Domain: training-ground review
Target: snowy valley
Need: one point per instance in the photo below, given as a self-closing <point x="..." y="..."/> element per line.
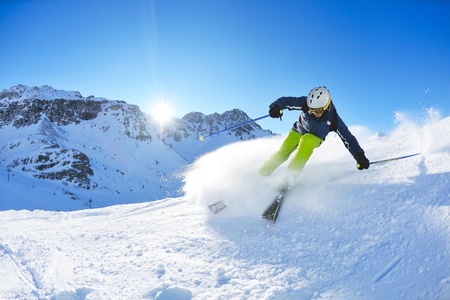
<point x="382" y="233"/>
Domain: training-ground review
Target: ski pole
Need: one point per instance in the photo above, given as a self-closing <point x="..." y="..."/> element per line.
<point x="229" y="128"/>
<point x="391" y="159"/>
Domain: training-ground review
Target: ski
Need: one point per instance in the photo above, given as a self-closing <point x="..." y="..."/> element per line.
<point x="271" y="212"/>
<point x="217" y="206"/>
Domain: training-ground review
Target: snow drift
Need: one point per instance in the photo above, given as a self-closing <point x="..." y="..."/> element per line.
<point x="383" y="233"/>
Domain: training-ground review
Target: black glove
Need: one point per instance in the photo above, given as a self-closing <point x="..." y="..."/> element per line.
<point x="361" y="161"/>
<point x="275" y="111"/>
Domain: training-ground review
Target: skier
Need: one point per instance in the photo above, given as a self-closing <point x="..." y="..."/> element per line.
<point x="318" y="117"/>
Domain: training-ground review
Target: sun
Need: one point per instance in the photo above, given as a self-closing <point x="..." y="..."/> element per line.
<point x="162" y="113"/>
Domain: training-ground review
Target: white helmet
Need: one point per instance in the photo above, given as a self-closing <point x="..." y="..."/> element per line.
<point x="319" y="97"/>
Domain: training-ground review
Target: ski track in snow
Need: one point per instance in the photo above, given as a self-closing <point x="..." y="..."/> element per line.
<point x="383" y="233"/>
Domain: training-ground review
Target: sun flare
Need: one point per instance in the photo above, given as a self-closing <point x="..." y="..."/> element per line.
<point x="162" y="113"/>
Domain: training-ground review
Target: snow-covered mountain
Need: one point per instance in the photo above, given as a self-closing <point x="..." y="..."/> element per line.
<point x="94" y="151"/>
<point x="183" y="134"/>
<point x="381" y="233"/>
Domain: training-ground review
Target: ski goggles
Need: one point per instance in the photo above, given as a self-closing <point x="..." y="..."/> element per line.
<point x="321" y="110"/>
<point x="316" y="111"/>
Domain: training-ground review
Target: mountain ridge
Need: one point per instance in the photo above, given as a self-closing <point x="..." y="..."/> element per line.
<point x="83" y="145"/>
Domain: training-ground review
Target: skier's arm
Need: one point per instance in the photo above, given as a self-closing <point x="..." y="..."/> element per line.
<point x="291" y="103"/>
<point x="351" y="143"/>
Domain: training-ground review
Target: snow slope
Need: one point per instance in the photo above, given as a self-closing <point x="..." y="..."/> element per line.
<point x="383" y="233"/>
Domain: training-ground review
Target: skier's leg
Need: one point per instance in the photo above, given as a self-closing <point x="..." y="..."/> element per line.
<point x="289" y="144"/>
<point x="306" y="146"/>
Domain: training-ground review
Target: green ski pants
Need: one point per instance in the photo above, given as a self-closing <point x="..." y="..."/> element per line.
<point x="302" y="145"/>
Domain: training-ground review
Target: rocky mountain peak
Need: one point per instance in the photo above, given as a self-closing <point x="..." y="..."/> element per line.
<point x="194" y="117"/>
<point x="44" y="92"/>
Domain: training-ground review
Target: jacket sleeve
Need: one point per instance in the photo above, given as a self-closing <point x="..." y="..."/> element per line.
<point x="349" y="140"/>
<point x="291" y="103"/>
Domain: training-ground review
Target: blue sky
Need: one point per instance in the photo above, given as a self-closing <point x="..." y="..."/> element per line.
<point x="376" y="57"/>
